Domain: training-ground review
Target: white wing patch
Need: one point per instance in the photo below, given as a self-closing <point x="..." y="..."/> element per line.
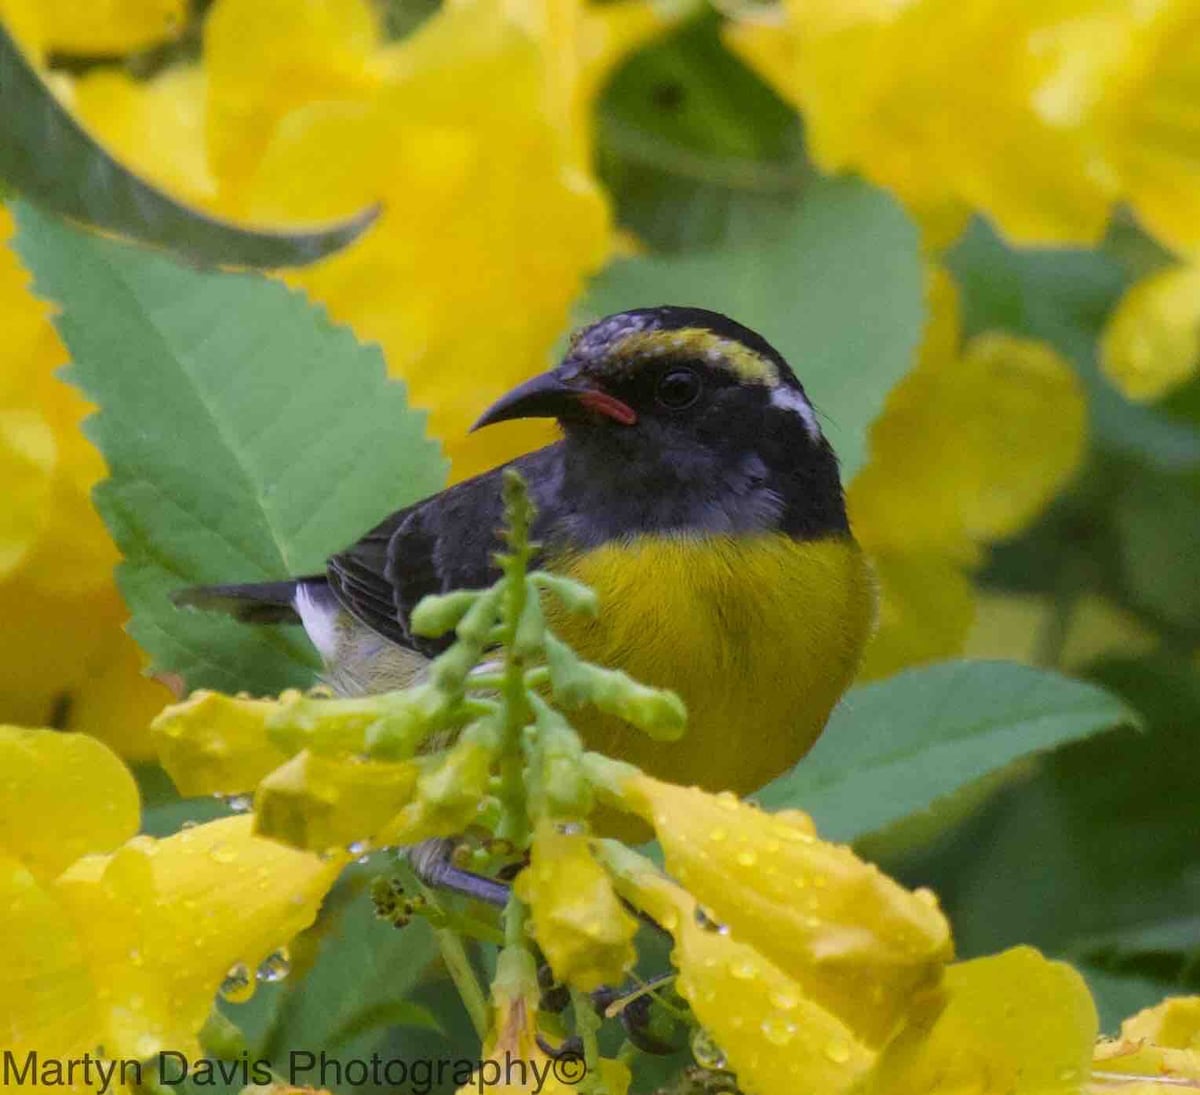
<point x="319" y="617"/>
<point x="788" y="399"/>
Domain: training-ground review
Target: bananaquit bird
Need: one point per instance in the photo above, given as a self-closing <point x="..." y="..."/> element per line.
<point x="694" y="491"/>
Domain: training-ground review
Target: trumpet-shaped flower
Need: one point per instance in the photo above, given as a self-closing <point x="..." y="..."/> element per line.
<point x="118" y="940"/>
<point x="947" y="473"/>
<point x="578" y="922"/>
<point x="773" y="1034"/>
<point x="1009" y="1024"/>
<point x="65" y="658"/>
<point x="860" y="945"/>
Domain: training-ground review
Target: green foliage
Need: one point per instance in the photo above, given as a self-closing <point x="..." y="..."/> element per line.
<point x="49" y="158"/>
<point x="836" y="289"/>
<point x="901" y="746"/>
<point x="247" y="438"/>
<point x="696" y="149"/>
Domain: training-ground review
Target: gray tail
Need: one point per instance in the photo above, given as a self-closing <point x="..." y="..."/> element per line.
<point x="253" y="603"/>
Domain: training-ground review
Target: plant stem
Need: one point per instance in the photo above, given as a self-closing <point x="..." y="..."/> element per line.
<point x="458" y="964"/>
<point x="587" y="1022"/>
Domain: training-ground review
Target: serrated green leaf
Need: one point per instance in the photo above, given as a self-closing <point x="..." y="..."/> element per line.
<point x="899" y="745"/>
<point x="247" y="438"/>
<point x="47" y="156"/>
<point x="837" y="289"/>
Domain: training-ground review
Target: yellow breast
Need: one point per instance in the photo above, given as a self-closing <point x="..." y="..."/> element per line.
<point x="759" y="635"/>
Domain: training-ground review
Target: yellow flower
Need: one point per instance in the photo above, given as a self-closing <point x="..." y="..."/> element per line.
<point x="66" y="658"/>
<point x="1152" y="341"/>
<point x="120" y="940"/>
<point x="513" y="1061"/>
<point x="773" y="1035"/>
<point x="92" y="26"/>
<point x="1156" y="1047"/>
<point x="947" y="472"/>
<point x="896" y="90"/>
<point x="1011" y="1023"/>
<point x="860" y="945"/>
<point x="491" y="219"/>
<point x="580" y="926"/>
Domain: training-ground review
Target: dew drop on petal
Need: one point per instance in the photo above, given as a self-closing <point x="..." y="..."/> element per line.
<point x="744" y="969"/>
<point x="778" y="1029"/>
<point x="275" y="967"/>
<point x="706" y="1052"/>
<point x="747" y="857"/>
<point x="222" y="853"/>
<point x="838" y="1052"/>
<point x="238" y="985"/>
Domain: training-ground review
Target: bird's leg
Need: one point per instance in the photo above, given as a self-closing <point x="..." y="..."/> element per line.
<point x="432" y="862"/>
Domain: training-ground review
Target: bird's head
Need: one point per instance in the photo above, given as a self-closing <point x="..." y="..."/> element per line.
<point x="664" y="375"/>
<point x="701" y="412"/>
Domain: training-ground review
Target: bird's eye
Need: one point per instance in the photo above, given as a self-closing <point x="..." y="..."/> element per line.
<point x="678" y="388"/>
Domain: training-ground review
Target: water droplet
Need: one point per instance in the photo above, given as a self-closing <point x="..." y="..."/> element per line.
<point x="275" y="967"/>
<point x="222" y="853"/>
<point x="747" y="857"/>
<point x="784" y="999"/>
<point x="189" y="824"/>
<point x="358" y="848"/>
<point x="240" y="804"/>
<point x="238" y="985"/>
<point x="744" y="969"/>
<point x="717" y="834"/>
<point x="569" y="828"/>
<point x="778" y="1029"/>
<point x="708" y="923"/>
<point x="838" y="1052"/>
<point x="727" y="800"/>
<point x="706" y="1052"/>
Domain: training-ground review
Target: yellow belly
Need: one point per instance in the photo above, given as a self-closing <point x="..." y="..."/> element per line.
<point x="759" y="635"/>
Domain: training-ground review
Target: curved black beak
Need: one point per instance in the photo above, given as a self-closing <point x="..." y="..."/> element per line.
<point x="549" y="396"/>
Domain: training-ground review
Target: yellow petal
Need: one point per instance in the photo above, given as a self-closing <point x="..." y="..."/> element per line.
<point x="1173" y="1024"/>
<point x="1152" y="341"/>
<point x="155" y="126"/>
<point x="47" y="1002"/>
<point x="27" y="459"/>
<point x="266" y="58"/>
<point x="580" y="926"/>
<point x="1012" y="1023"/>
<point x="117" y="702"/>
<point x="775" y="1037"/>
<point x="216" y="744"/>
<point x="322" y="803"/>
<point x="926" y="607"/>
<point x="858" y="943"/>
<point x="109" y="26"/>
<point x="40" y="772"/>
<point x="164" y="922"/>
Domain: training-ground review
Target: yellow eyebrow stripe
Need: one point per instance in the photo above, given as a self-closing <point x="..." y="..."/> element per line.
<point x="698" y="342"/>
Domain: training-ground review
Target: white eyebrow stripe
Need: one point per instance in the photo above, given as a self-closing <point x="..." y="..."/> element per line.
<point x="788" y="399"/>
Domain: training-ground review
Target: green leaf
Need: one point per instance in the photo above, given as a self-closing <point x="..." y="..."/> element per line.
<point x="356" y="976"/>
<point x="900" y="745"/>
<point x="247" y="438"/>
<point x="46" y="155"/>
<point x="836" y="288"/>
<point x="695" y="149"/>
<point x="1093" y="855"/>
